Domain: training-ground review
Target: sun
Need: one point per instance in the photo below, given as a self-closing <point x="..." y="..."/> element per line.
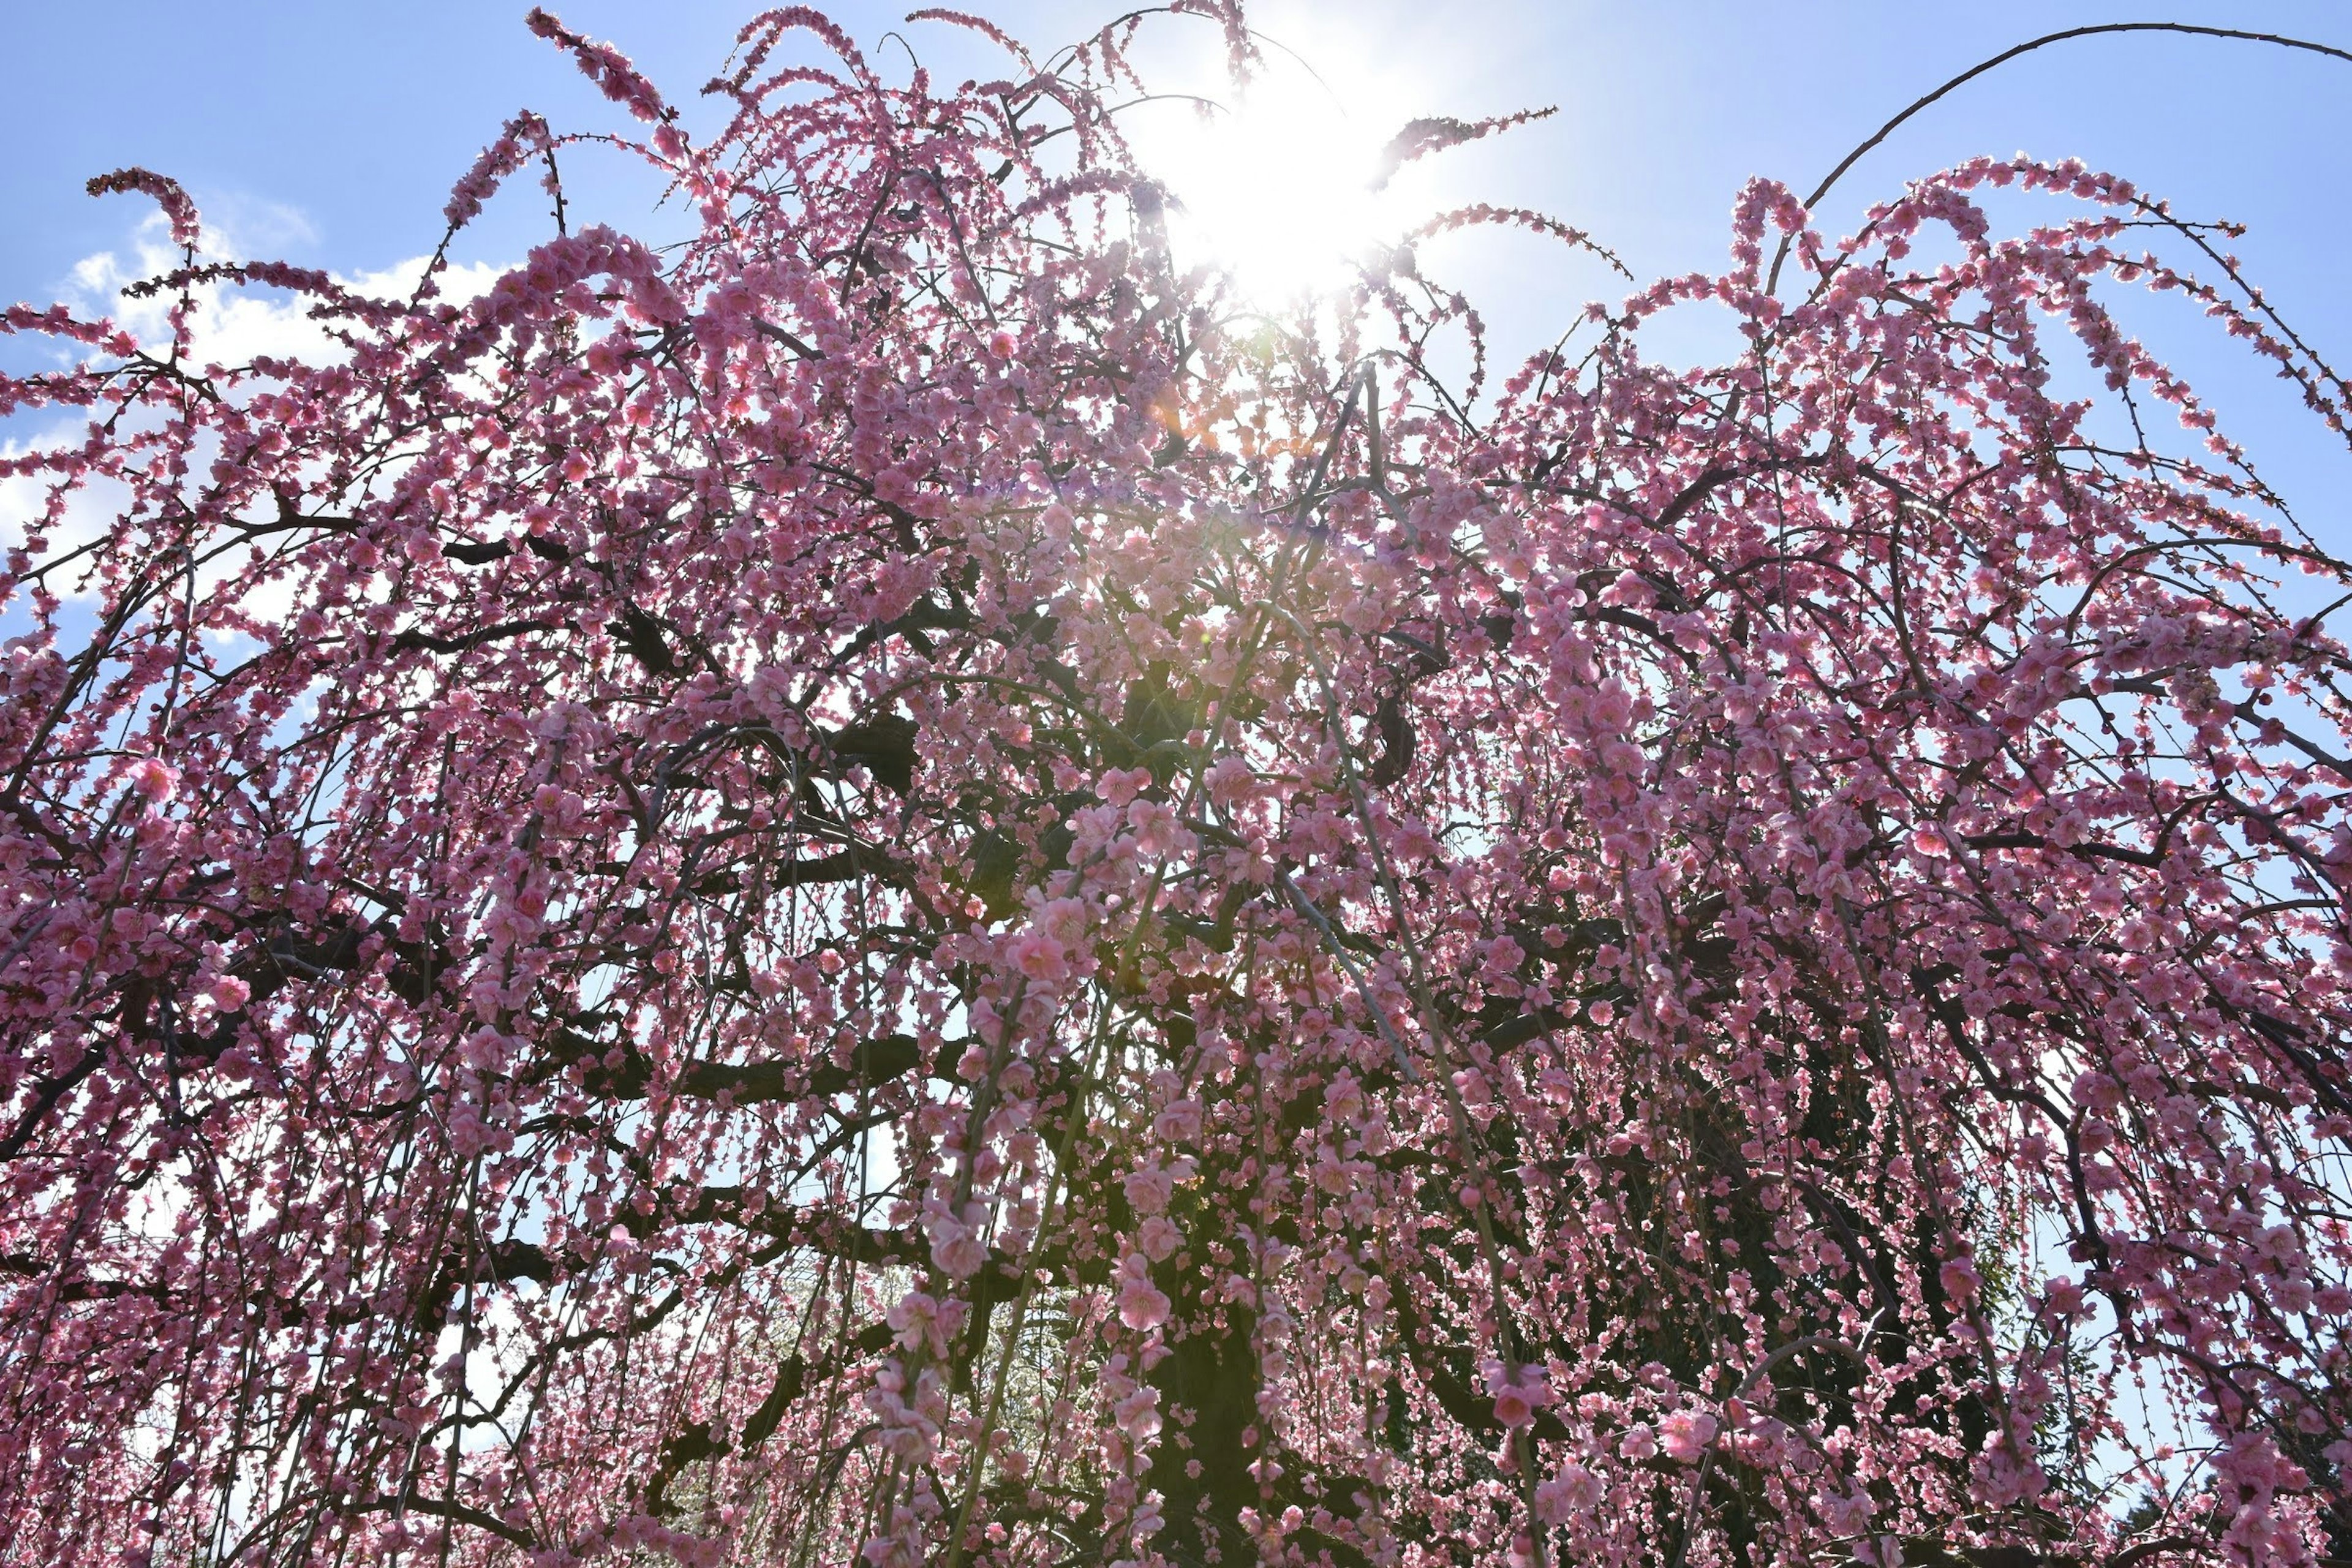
<point x="1274" y="184"/>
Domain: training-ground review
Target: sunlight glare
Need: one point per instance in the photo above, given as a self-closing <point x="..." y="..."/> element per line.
<point x="1277" y="187"/>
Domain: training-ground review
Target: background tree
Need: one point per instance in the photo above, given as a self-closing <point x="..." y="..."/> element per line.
<point x="904" y="883"/>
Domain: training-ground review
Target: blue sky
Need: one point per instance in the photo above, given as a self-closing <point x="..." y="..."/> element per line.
<point x="329" y="133"/>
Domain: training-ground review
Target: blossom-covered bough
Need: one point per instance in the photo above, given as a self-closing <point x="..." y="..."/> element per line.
<point x="900" y="887"/>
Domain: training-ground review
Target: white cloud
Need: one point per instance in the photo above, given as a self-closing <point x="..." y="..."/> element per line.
<point x="235" y="324"/>
<point x="232" y="326"/>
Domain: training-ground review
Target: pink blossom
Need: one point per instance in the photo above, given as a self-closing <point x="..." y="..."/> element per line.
<point x="1178" y="1122"/>
<point x="1119" y="785"/>
<point x="1143" y="1305"/>
<point x="911" y="1318"/>
<point x="1157" y="830"/>
<point x="1230" y="781"/>
<point x="154" y="781"/>
<point x="1518" y="1393"/>
<point x="1848" y="1513"/>
<point x="228" y="992"/>
<point x="1572" y="1490"/>
<point x="1149" y="1187"/>
<point x="1039" y="957"/>
<point x="1137" y="1415"/>
<point x="957" y="1250"/>
<point x="1684" y="1435"/>
<point x="1065" y="921"/>
<point x="1158" y="1238"/>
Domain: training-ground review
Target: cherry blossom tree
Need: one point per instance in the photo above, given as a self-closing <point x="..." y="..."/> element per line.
<point x="902" y="885"/>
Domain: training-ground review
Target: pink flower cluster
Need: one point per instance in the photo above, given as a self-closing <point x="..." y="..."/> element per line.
<point x="177" y="207"/>
<point x="603" y="64"/>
